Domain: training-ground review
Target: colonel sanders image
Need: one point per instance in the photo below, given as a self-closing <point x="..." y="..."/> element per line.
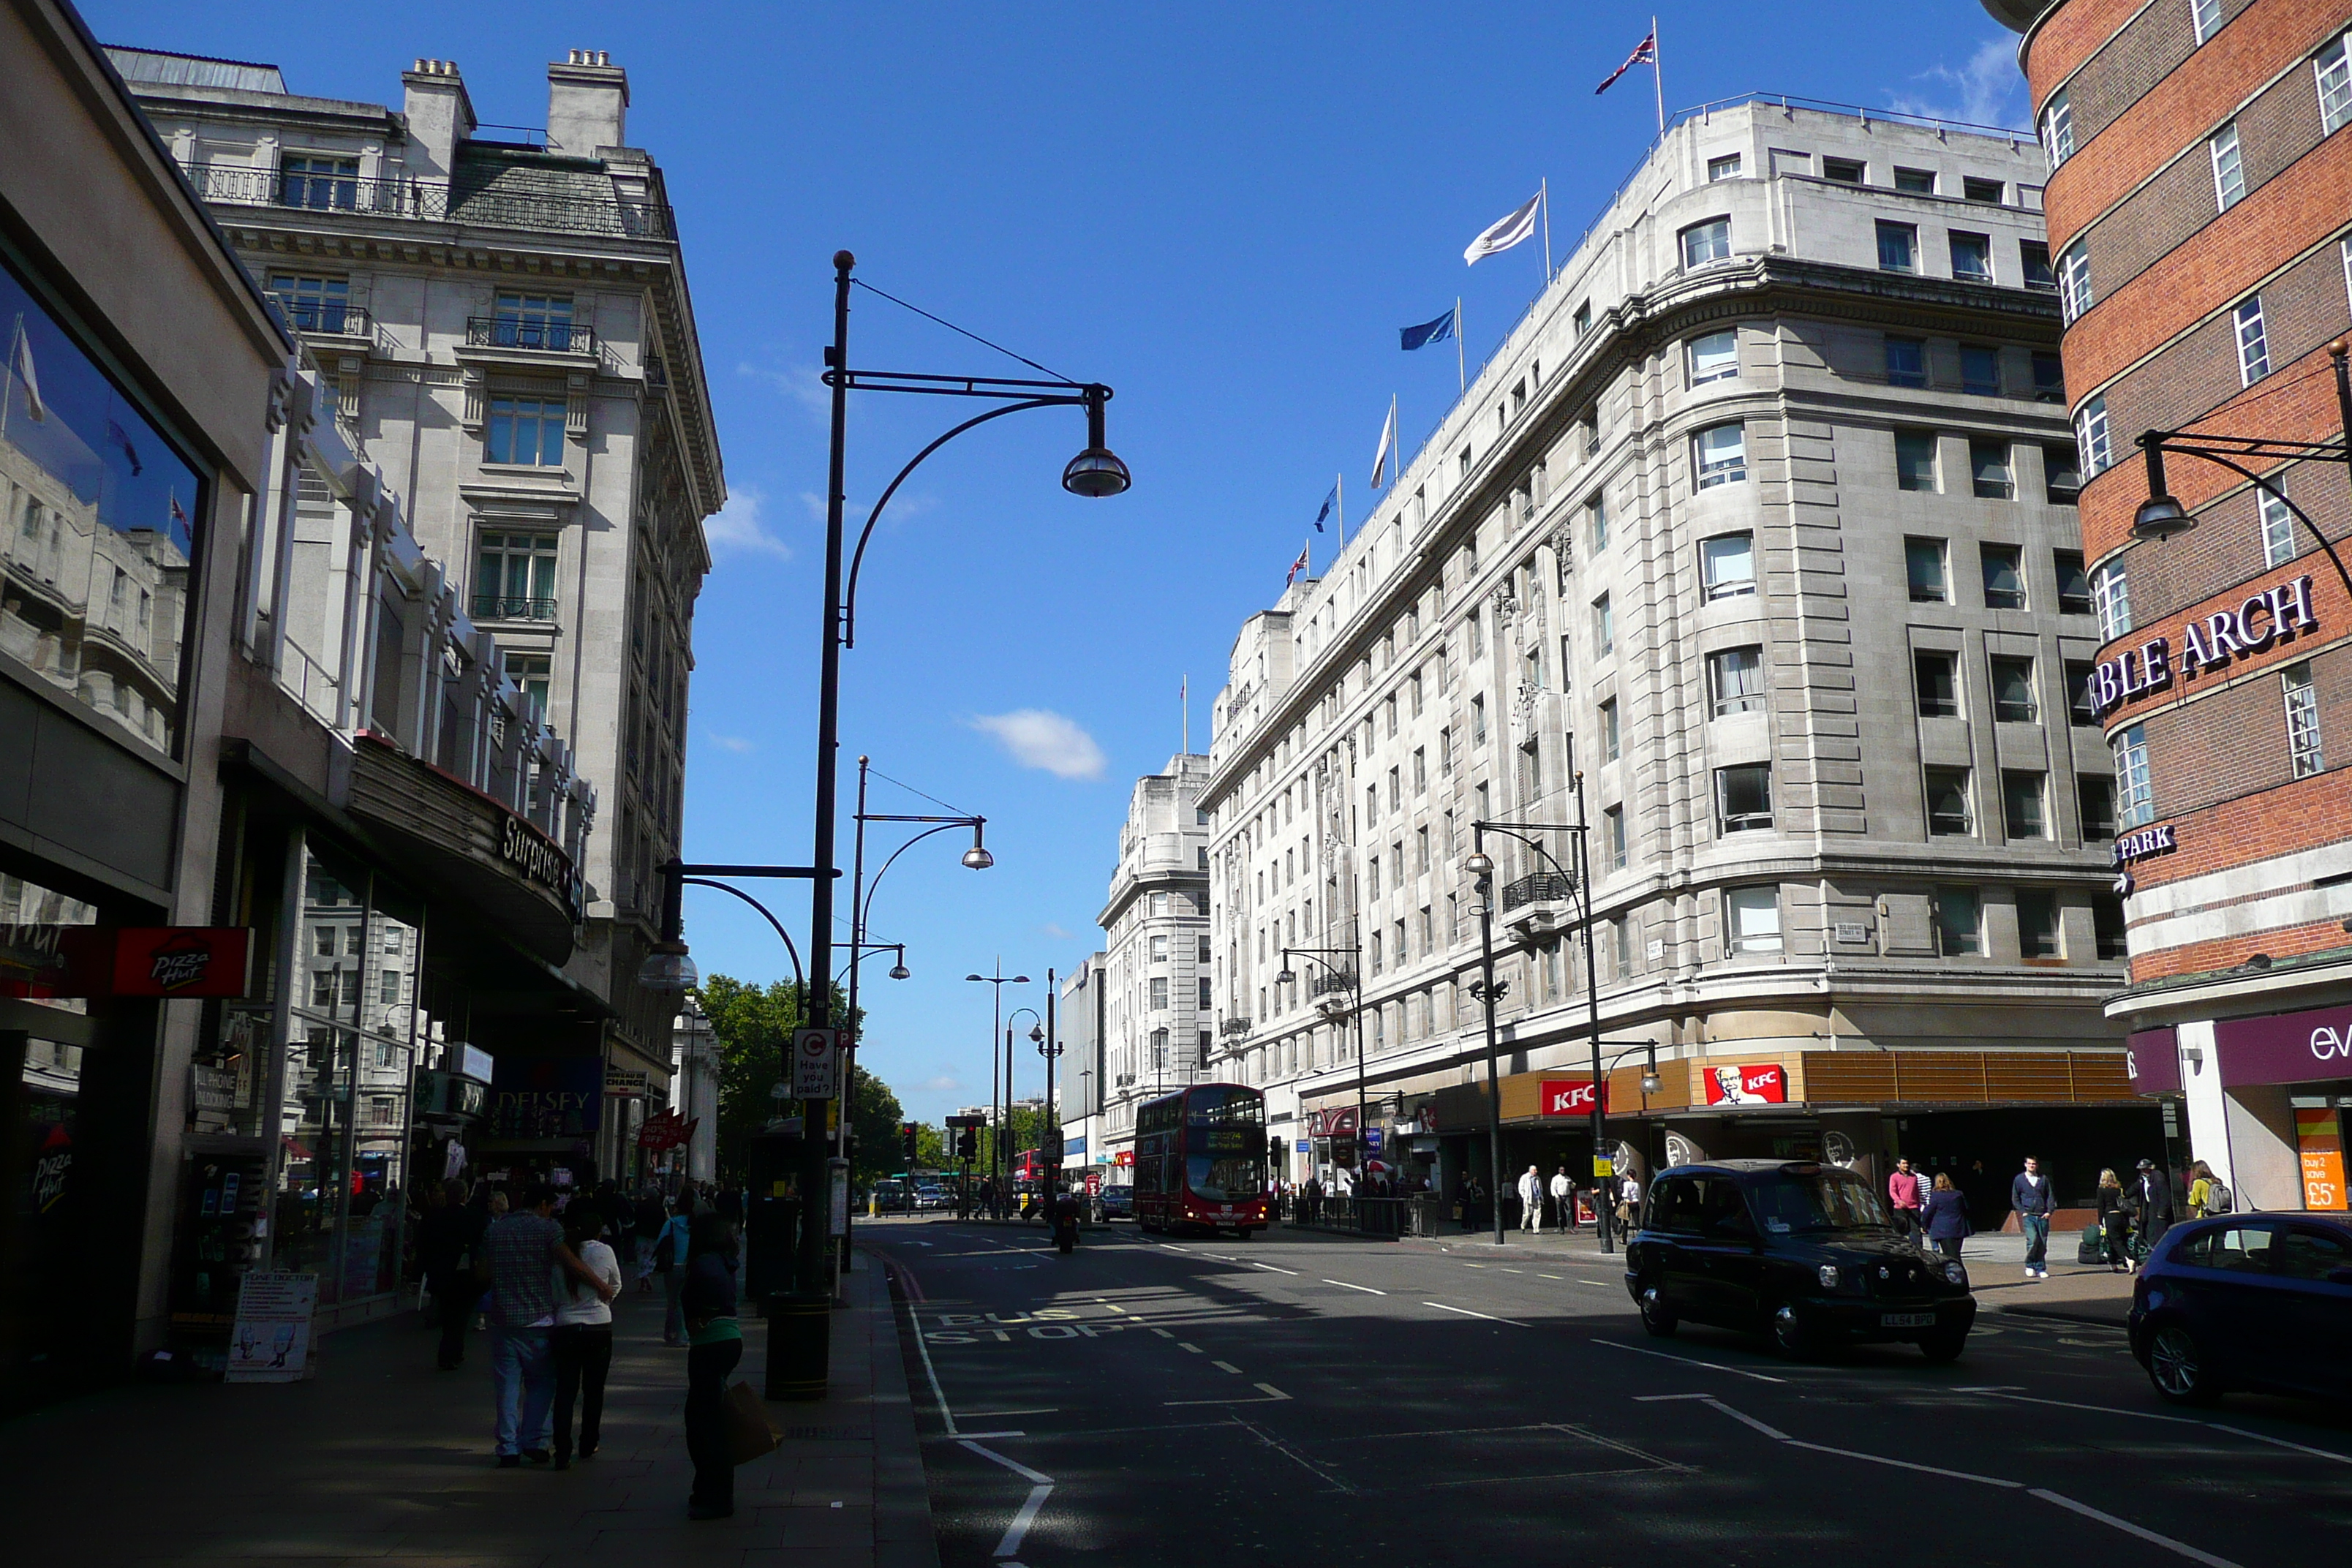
<point x="1730" y="1090"/>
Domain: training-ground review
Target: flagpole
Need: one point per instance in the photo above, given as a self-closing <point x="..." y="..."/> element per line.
<point x="9" y="371"/>
<point x="1461" y="371"/>
<point x="1544" y="192"/>
<point x="1658" y="74"/>
<point x="1339" y="489"/>
<point x="1184" y="695"/>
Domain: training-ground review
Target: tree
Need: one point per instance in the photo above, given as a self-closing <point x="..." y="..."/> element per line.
<point x="876" y="1124"/>
<point x="753" y="1027"/>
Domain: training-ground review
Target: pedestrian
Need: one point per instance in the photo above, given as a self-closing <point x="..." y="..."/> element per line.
<point x="2151" y="1204"/>
<point x="1531" y="1195"/>
<point x="648" y="1219"/>
<point x="2208" y="1194"/>
<point x="715" y="1338"/>
<point x="1946" y="1217"/>
<point x="1904" y="1196"/>
<point x="2033" y="1198"/>
<point x="446" y="1246"/>
<point x="1629" y="1203"/>
<point x="581" y="1344"/>
<point x="2114" y="1223"/>
<point x="1473" y="1196"/>
<point x="670" y="1250"/>
<point x="522" y="1254"/>
<point x="1563" y="1199"/>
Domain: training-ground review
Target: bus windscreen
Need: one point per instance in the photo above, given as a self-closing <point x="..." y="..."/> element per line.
<point x="1224" y="1145"/>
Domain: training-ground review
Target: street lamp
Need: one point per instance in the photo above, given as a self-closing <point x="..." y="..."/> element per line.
<point x="1352" y="978"/>
<point x="1049" y="1045"/>
<point x="999" y="980"/>
<point x="1037" y="1031"/>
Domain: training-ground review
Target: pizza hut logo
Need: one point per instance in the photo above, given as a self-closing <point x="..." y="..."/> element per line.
<point x="180" y="963"/>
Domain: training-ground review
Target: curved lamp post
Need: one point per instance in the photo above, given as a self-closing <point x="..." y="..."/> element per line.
<point x="1037" y="1031"/>
<point x="999" y="980"/>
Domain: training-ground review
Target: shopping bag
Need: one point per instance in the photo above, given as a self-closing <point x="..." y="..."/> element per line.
<point x="749" y="1432"/>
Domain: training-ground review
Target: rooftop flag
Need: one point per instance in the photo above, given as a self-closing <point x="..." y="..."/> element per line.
<point x="1428" y="332"/>
<point x="1646" y="53"/>
<point x="1328" y="502"/>
<point x="1298" y="565"/>
<point x="1387" y="451"/>
<point x="1505" y="232"/>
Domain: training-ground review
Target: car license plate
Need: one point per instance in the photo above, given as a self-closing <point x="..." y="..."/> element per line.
<point x="1906" y="1320"/>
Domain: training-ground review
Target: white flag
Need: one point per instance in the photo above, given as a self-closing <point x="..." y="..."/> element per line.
<point x="1504" y="234"/>
<point x="1388" y="447"/>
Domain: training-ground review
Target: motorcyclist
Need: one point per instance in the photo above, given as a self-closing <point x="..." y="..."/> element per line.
<point x="1064" y="1214"/>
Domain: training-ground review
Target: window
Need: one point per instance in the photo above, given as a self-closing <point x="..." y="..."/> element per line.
<point x="2062" y="476"/>
<point x="1377" y="952"/>
<point x="1596" y="513"/>
<point x="1204" y="992"/>
<point x="1159" y="991"/>
<point x="1581" y="322"/>
<point x="2302" y="720"/>
<point x="1477" y="625"/>
<point x="2278" y="527"/>
<point x="1609" y="749"/>
<point x="1958" y="922"/>
<point x="1972" y="257"/>
<point x="2074" y="295"/>
<point x="2058" y="129"/>
<point x="2079" y="710"/>
<point x="1478" y="720"/>
<point x="1844" y="170"/>
<point x="1898" y="246"/>
<point x="1419" y="770"/>
<point x="1917" y="182"/>
<point x="2037" y="926"/>
<point x="2090" y="438"/>
<point x="1705" y="242"/>
<point x="1727" y="564"/>
<point x="2021" y="810"/>
<point x="2005" y="576"/>
<point x="1604" y="627"/>
<point x="1979" y="371"/>
<point x="1936" y="677"/>
<point x="2204" y="17"/>
<point x="1751" y="919"/>
<point x="1976" y="190"/>
<point x="2033" y="264"/>
<point x="1948" y="803"/>
<point x="1989" y="472"/>
<point x="2049" y="378"/>
<point x="321" y="183"/>
<point x="1723" y="168"/>
<point x="1722" y="455"/>
<point x="1612" y="836"/>
<point x="526" y="430"/>
<point x="1744" y="797"/>
<point x="2335" y="87"/>
<point x="2111" y="597"/>
<point x="515" y="577"/>
<point x="2012" y="689"/>
<point x="533" y="322"/>
<point x="1736" y="676"/>
<point x="1714" y="357"/>
<point x="1923" y="560"/>
<point x="1907" y="362"/>
<point x="532" y="672"/>
<point x="2253" y="344"/>
<point x="1915" y="460"/>
<point x="2096" y="799"/>
<point x="2228" y="170"/>
<point x="1446" y="754"/>
<point x="2301" y="1254"/>
<point x="2108" y="926"/>
<point x="1159" y="949"/>
<point x="311" y="304"/>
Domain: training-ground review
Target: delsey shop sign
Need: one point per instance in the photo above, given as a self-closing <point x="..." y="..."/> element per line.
<point x="2273" y="615"/>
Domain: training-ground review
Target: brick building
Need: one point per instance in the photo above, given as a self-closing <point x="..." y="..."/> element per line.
<point x="2201" y="225"/>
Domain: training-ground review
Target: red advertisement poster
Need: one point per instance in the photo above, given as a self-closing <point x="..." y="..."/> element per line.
<point x="1752" y="1083"/>
<point x="182" y="960"/>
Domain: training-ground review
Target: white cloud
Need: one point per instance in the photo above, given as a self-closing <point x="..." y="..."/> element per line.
<point x="801" y="383"/>
<point x="1038" y="739"/>
<point x="737" y="525"/>
<point x="943" y="1084"/>
<point x="1987" y="91"/>
<point x="1053" y="928"/>
<point x="736" y="743"/>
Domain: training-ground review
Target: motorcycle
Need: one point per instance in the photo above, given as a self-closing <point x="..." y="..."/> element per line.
<point x="1065" y="1222"/>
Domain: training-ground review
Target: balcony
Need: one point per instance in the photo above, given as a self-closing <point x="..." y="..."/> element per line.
<point x="498" y="607"/>
<point x="556" y="337"/>
<point x="1232" y="1028"/>
<point x="432" y="201"/>
<point x="326" y="319"/>
<point x="1541" y="887"/>
<point x="1327" y="982"/>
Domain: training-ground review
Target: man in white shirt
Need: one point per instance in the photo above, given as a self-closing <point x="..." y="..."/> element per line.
<point x="1531" y="1192"/>
<point x="1563" y="1199"/>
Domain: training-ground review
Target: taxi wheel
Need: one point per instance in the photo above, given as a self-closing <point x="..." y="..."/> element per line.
<point x="1656" y="1316"/>
<point x="1790" y="1334"/>
<point x="1945" y="1345"/>
<point x="2177" y="1366"/>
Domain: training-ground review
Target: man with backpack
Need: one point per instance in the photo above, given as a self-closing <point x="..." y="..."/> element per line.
<point x="2033" y="1198"/>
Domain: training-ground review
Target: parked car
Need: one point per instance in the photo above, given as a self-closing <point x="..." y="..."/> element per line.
<point x="1803" y="1252"/>
<point x="1117" y="1202"/>
<point x="2254" y="1302"/>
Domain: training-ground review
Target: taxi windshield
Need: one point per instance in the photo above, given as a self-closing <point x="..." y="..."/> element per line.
<point x="1816" y="1201"/>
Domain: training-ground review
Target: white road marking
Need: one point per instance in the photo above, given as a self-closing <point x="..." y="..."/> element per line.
<point x="937" y="1398"/>
<point x="1041" y="1488"/>
<point x="1547" y="1275"/>
<point x="1468" y="1313"/>
<point x="2281" y="1442"/>
<point x="1309" y="1466"/>
<point x="1602" y="1283"/>
<point x="1691" y="1361"/>
<point x="2003" y="1391"/>
<point x="1189" y="1346"/>
<point x="1112" y="1305"/>
<point x="1367" y="1289"/>
<point x="1254" y="1263"/>
<point x="2151" y="1537"/>
<point x="1273" y="1395"/>
<point x="1163" y="1333"/>
<point x="1270" y="1390"/>
<point x="1226" y="1366"/>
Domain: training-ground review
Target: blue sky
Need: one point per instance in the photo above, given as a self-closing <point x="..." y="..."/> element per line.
<point x="1224" y="211"/>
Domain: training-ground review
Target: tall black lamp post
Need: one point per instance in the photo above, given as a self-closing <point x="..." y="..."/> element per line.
<point x="1352" y="978"/>
<point x="1000" y="1089"/>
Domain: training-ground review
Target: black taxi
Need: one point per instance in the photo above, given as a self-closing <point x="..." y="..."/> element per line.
<point x="1806" y="1253"/>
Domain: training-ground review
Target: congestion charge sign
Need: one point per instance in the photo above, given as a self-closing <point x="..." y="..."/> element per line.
<point x="2273" y="615"/>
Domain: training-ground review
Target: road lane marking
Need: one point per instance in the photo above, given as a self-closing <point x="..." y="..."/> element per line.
<point x="1547" y="1275"/>
<point x="1163" y="1333"/>
<point x="2003" y="1391"/>
<point x="1112" y="1305"/>
<point x="2283" y="1443"/>
<point x="1189" y="1346"/>
<point x="1226" y="1366"/>
<point x="1270" y="1390"/>
<point x="2087" y="1511"/>
<point x="1690" y="1361"/>
<point x="1367" y="1289"/>
<point x="1602" y="1283"/>
<point x="1510" y="1270"/>
<point x="937" y="1398"/>
<point x="1284" y="1449"/>
<point x="1254" y="1263"/>
<point x="1468" y="1313"/>
<point x="1273" y="1395"/>
<point x="1041" y="1488"/>
<point x="1474" y="1265"/>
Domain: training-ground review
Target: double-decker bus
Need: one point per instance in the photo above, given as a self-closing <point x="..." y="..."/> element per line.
<point x="1199" y="1159"/>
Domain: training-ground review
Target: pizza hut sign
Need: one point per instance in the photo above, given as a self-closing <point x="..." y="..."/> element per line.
<point x="2273" y="615"/>
<point x="182" y="960"/>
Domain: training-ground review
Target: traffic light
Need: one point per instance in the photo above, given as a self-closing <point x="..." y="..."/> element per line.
<point x="907" y="1130"/>
<point x="967" y="1144"/>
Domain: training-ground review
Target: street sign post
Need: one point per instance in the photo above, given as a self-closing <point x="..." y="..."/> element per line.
<point x="816" y="1064"/>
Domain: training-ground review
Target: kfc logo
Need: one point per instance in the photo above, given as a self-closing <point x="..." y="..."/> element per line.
<point x="1567" y="1097"/>
<point x="1762" y="1084"/>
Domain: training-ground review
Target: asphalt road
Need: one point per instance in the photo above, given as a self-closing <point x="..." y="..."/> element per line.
<point x="1316" y="1400"/>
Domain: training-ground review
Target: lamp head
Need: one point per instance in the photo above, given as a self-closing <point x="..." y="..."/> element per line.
<point x="975" y="977"/>
<point x="2160" y="517"/>
<point x="977" y="858"/>
<point x="1037" y="1033"/>
<point x="1651" y="1082"/>
<point x="1097" y="471"/>
<point x="1480" y="864"/>
<point x="1286" y="977"/>
<point x="1020" y="980"/>
<point x="899" y="970"/>
<point x="667" y="968"/>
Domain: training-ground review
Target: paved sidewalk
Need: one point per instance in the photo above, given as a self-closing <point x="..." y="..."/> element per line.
<point x="382" y="1460"/>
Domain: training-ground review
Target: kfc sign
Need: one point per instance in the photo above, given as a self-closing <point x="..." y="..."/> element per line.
<point x="1759" y="1083"/>
<point x="1567" y="1097"/>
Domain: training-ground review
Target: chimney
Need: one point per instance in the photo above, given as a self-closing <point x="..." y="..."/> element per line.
<point x="439" y="117"/>
<point x="587" y="103"/>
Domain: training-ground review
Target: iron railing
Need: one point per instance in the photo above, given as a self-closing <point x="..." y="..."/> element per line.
<point x="1233" y="1027"/>
<point x="1332" y="980"/>
<point x="331" y="320"/>
<point x="485" y="206"/>
<point x="521" y="332"/>
<point x="1538" y="887"/>
<point x="502" y="607"/>
<point x="1415" y="1214"/>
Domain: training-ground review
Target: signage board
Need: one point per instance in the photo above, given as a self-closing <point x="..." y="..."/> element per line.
<point x="2273" y="616"/>
<point x="1602" y="1166"/>
<point x="967" y="1120"/>
<point x="182" y="960"/>
<point x="1052" y="1141"/>
<point x="1750" y="1083"/>
<point x="627" y="1083"/>
<point x="1566" y="1097"/>
<point x="2285" y="1048"/>
<point x="816" y="1064"/>
<point x="1306" y="1147"/>
<point x="475" y="1062"/>
<point x="2152" y="1058"/>
<point x="546" y="1097"/>
<point x="271" y="1340"/>
<point x="1372" y="1139"/>
<point x="2319" y="1143"/>
<point x="1093" y="1184"/>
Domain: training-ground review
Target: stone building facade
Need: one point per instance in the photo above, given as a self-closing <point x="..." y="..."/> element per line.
<point x="1753" y="548"/>
<point x="2201" y="215"/>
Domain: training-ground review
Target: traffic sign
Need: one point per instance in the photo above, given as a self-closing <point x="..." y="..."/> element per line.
<point x="816" y="1064"/>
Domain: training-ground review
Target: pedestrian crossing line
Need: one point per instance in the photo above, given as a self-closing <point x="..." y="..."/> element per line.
<point x="1226" y="1366"/>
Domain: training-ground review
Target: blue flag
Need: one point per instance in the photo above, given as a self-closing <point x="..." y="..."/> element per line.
<point x="1428" y="332"/>
<point x="1328" y="502"/>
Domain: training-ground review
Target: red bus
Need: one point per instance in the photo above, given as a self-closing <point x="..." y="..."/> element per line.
<point x="1199" y="1159"/>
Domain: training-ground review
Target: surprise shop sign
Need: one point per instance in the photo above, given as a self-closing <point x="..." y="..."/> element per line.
<point x="2273" y="615"/>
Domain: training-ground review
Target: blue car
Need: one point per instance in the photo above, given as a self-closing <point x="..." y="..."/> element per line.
<point x="2255" y="1302"/>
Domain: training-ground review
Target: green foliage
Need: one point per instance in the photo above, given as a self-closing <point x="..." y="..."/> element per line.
<point x="754" y="1027"/>
<point x="876" y="1122"/>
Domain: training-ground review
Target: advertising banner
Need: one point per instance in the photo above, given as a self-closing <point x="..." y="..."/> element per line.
<point x="2319" y="1141"/>
<point x="271" y="1340"/>
<point x="546" y="1096"/>
<point x="1751" y="1083"/>
<point x="2285" y="1048"/>
<point x="1566" y="1097"/>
